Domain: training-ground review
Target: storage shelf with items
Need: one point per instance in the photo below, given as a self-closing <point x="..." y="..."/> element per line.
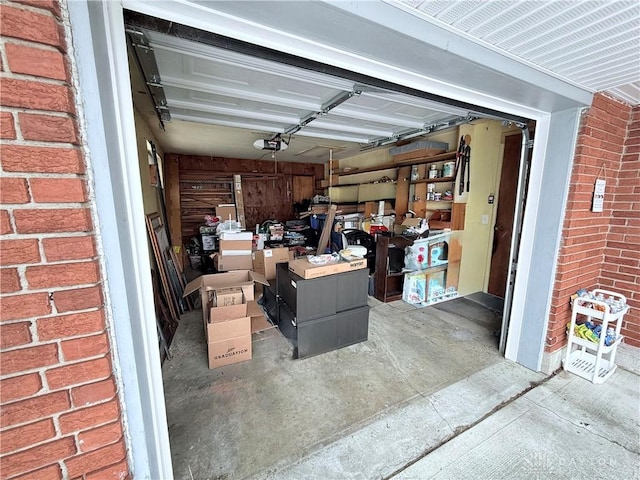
<point x="594" y="334"/>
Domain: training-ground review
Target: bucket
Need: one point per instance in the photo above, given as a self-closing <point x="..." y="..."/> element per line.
<point x="447" y="169"/>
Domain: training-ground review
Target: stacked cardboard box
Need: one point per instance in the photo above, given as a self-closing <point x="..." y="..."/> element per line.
<point x="229" y="314"/>
<point x="265" y="261"/>
<point x="234" y="251"/>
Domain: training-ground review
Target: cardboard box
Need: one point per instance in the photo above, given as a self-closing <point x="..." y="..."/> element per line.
<point x="226" y="212"/>
<point x="232" y="350"/>
<point x="264" y="261"/>
<point x="225" y="326"/>
<point x="259" y="321"/>
<point x="407" y="223"/>
<point x="227" y="235"/>
<point x="414" y="289"/>
<point x="227" y="263"/>
<point x="307" y="270"/>
<point x="235" y="247"/>
<point x="227" y="297"/>
<point x="209" y="284"/>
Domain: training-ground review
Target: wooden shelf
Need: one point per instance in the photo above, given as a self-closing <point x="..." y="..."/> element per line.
<point x="388" y="166"/>
<point x="433" y="159"/>
<point x="341" y="172"/>
<point x="433" y="180"/>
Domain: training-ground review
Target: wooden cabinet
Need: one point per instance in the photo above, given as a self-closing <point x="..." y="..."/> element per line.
<point x="389" y="277"/>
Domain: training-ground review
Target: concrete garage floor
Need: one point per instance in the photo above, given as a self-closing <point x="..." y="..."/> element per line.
<point x="372" y="410"/>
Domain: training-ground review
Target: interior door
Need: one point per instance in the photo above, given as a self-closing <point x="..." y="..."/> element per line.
<point x="503" y="228"/>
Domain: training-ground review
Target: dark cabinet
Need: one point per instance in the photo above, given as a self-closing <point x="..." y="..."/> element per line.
<point x="322" y="314"/>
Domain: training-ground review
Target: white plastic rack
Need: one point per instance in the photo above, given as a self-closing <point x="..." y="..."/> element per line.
<point x="590" y="360"/>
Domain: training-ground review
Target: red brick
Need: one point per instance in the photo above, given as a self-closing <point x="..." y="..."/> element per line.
<point x="96" y="460"/>
<point x="100" y="437"/>
<point x="52" y="472"/>
<point x="14" y="361"/>
<point x="14" y="334"/>
<point x="64" y="326"/>
<point x="58" y="190"/>
<point x="78" y="299"/>
<point x="93" y="393"/>
<point x="34" y="408"/>
<point x="7" y="127"/>
<point x="85" y="347"/>
<point x="51" y="5"/>
<point x="85" y="418"/>
<point x="78" y="373"/>
<point x="37" y="457"/>
<point x="48" y="128"/>
<point x="27" y="25"/>
<point x="13" y="190"/>
<point x="14" y="252"/>
<point x="5" y="223"/>
<point x="55" y="220"/>
<point x="21" y="437"/>
<point x="36" y="95"/>
<point x="69" y="248"/>
<point x="62" y="275"/>
<point x="9" y="280"/>
<point x="35" y="61"/>
<point x="22" y="386"/>
<point x="21" y="158"/>
<point x="120" y="471"/>
<point x="15" y="307"/>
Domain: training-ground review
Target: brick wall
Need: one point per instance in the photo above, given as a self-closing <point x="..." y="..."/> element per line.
<point x="60" y="414"/>
<point x="621" y="267"/>
<point x="596" y="246"/>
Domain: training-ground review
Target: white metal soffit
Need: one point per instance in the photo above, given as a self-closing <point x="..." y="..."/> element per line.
<point x="205" y="84"/>
<point x="595" y="44"/>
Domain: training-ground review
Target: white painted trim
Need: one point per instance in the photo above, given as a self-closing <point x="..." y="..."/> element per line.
<point x="563" y="207"/>
<point x="526" y="241"/>
<point x="101" y="56"/>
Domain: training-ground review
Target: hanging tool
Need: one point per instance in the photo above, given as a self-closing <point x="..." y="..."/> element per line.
<point x="463" y="166"/>
<point x="460" y="164"/>
<point x="467" y="161"/>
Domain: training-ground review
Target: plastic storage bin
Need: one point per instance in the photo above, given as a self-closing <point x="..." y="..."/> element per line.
<point x="594" y="361"/>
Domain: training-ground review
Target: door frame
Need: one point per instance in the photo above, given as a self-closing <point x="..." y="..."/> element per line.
<point x="106" y="115"/>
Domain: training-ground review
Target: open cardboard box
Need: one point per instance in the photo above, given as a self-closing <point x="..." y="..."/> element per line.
<point x="407" y="223"/>
<point x="208" y="284"/>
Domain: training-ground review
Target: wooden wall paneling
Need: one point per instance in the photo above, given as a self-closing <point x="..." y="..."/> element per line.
<point x="303" y="188"/>
<point x="267" y="190"/>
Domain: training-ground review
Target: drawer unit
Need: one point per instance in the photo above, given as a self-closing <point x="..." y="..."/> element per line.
<point x="318" y="315"/>
<point x="324" y="296"/>
<point x="270" y="302"/>
<point x="324" y="334"/>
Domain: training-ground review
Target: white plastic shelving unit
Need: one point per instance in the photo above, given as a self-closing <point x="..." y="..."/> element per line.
<point x="594" y="361"/>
